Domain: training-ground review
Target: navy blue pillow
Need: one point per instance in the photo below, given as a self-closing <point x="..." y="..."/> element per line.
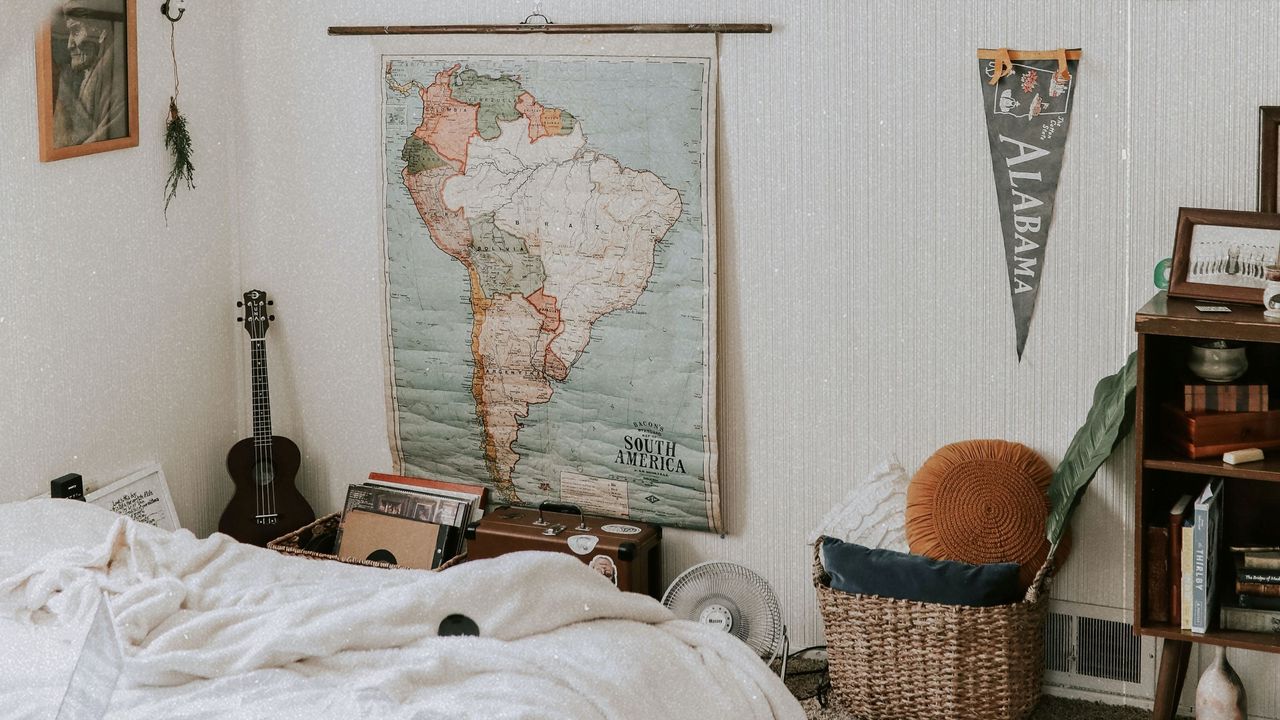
<point x="888" y="573"/>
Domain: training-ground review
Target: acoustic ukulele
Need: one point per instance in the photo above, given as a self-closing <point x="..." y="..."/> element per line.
<point x="266" y="504"/>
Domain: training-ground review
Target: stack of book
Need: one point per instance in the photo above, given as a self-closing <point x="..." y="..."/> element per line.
<point x="1257" y="596"/>
<point x="1182" y="561"/>
<point x="406" y="521"/>
<point x="1214" y="418"/>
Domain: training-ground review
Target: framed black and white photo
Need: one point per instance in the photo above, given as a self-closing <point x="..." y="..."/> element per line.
<point x="87" y="78"/>
<point x="143" y="496"/>
<point x="1223" y="254"/>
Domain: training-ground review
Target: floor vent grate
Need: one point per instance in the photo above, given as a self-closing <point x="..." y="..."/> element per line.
<point x="1108" y="650"/>
<point x="1092" y="649"/>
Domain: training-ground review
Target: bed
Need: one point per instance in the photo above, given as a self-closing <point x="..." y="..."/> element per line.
<point x="209" y="628"/>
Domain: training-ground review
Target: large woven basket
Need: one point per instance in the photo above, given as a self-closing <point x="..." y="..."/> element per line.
<point x="905" y="660"/>
<point x="315" y="541"/>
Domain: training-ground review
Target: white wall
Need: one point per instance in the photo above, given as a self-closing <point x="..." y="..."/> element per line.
<point x="117" y="331"/>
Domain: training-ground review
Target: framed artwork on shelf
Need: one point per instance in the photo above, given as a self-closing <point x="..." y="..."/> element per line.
<point x="87" y="78"/>
<point x="1223" y="254"/>
<point x="1268" y="147"/>
<point x="143" y="496"/>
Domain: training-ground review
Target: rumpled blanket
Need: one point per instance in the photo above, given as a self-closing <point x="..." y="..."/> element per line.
<point x="213" y="628"/>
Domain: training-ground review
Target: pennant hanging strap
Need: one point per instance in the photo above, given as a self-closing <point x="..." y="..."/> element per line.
<point x="1004" y="66"/>
<point x="1063" y="75"/>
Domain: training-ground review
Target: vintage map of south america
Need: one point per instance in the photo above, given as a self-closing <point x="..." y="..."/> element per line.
<point x="550" y="274"/>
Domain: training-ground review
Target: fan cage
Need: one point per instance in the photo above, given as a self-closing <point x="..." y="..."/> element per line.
<point x="749" y="598"/>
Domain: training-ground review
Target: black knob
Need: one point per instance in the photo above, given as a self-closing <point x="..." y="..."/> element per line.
<point x="271" y="302"/>
<point x="239" y="319"/>
<point x="239" y="303"/>
<point x="272" y="318"/>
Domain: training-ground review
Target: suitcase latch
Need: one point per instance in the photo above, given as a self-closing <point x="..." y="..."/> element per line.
<point x="554" y="529"/>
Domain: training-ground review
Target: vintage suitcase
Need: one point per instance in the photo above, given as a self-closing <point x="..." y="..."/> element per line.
<point x="624" y="551"/>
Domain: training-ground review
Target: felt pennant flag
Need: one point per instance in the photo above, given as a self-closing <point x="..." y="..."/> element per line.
<point x="1027" y="99"/>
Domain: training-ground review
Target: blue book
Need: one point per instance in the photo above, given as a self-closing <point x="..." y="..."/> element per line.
<point x="1205" y="537"/>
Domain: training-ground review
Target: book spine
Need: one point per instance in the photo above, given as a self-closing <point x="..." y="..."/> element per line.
<point x="1262" y="589"/>
<point x="1258" y="602"/>
<point x="1157" y="573"/>
<point x="1175" y="569"/>
<point x="1200" y="554"/>
<point x="1188" y="571"/>
<point x="1254" y="562"/>
<point x="1251" y="620"/>
<point x="1265" y="577"/>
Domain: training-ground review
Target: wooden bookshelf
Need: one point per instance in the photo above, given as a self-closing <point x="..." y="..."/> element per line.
<point x="1166" y="329"/>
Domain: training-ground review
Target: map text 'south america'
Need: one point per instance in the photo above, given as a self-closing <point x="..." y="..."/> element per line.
<point x="553" y="236"/>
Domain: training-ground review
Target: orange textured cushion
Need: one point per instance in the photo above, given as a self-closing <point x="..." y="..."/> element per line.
<point x="982" y="501"/>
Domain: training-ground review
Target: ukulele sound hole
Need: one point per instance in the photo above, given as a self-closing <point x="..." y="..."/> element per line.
<point x="264" y="472"/>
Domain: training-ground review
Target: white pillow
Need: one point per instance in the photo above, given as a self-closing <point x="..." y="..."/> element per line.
<point x="873" y="514"/>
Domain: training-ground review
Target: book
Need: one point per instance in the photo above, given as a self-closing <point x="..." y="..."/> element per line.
<point x="1177" y="514"/>
<point x="1188" y="569"/>
<point x="1250" y="619"/>
<point x="1258" y="602"/>
<point x="1206" y="532"/>
<point x="1262" y="589"/>
<point x="1226" y="397"/>
<point x="1262" y="560"/>
<point x="1257" y="575"/>
<point x="1157" y="549"/>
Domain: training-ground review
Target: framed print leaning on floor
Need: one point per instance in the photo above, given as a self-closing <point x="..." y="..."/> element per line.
<point x="87" y="78"/>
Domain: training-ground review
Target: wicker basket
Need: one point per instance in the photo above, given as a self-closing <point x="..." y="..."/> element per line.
<point x="904" y="660"/>
<point x="316" y="541"/>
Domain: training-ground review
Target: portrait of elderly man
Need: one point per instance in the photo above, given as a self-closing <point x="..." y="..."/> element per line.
<point x="91" y="100"/>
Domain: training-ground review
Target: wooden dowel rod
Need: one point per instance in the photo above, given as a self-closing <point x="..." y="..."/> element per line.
<point x="550" y="28"/>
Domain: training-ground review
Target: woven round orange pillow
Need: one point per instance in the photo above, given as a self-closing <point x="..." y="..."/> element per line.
<point x="982" y="501"/>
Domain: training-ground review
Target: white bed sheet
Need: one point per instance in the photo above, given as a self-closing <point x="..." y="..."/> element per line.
<point x="212" y="628"/>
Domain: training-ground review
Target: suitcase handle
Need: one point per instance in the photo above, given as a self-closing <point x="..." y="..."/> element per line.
<point x="566" y="508"/>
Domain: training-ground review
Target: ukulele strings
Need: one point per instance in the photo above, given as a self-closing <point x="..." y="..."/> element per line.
<point x="268" y="469"/>
<point x="257" y="421"/>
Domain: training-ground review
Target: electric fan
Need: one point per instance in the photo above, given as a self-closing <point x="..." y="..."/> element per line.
<point x="734" y="599"/>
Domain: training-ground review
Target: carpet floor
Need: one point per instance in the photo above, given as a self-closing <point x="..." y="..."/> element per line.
<point x="1050" y="708"/>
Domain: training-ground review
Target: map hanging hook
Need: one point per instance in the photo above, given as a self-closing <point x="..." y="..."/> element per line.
<point x="181" y="6"/>
<point x="545" y="20"/>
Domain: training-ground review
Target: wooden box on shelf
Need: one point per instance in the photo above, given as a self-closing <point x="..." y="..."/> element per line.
<point x="1169" y="466"/>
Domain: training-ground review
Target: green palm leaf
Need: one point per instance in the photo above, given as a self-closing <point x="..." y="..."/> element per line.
<point x="1107" y="423"/>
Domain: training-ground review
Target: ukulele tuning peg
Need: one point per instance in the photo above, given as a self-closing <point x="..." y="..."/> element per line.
<point x="272" y="318"/>
<point x="239" y="319"/>
<point x="271" y="302"/>
<point x="239" y="303"/>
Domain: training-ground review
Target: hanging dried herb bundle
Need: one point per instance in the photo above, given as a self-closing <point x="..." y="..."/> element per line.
<point x="178" y="140"/>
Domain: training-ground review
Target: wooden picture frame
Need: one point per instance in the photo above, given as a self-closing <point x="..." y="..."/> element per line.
<point x="1221" y="255"/>
<point x="143" y="496"/>
<point x="1268" y="147"/>
<point x="87" y="78"/>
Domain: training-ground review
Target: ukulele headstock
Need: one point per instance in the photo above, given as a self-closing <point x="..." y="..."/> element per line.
<point x="256" y="319"/>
